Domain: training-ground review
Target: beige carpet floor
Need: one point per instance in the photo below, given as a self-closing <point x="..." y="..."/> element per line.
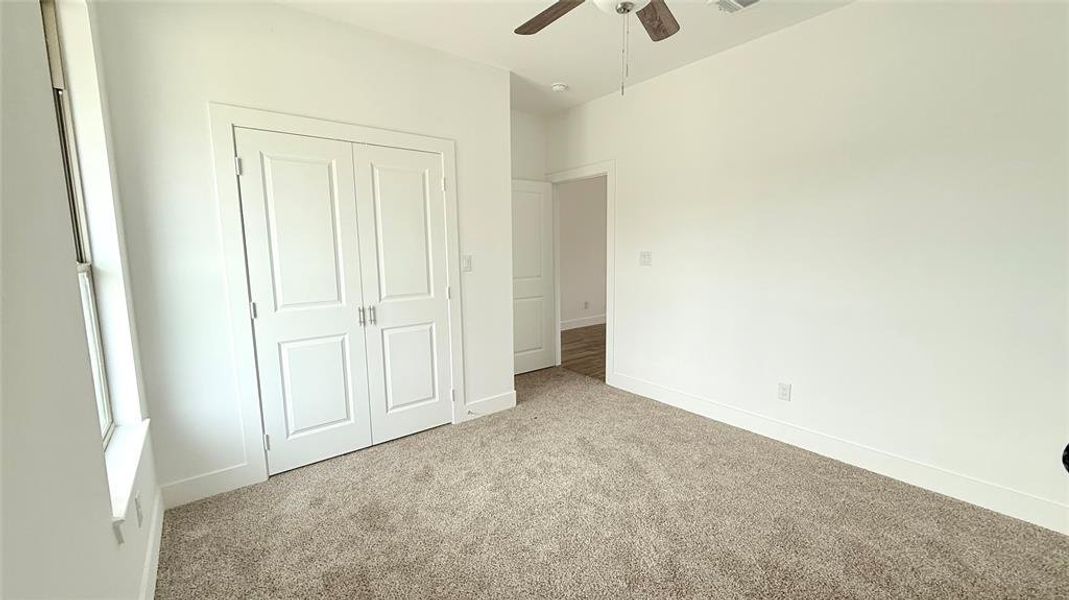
<point x="583" y="491"/>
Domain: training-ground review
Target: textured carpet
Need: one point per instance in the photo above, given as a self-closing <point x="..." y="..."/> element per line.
<point x="583" y="491"/>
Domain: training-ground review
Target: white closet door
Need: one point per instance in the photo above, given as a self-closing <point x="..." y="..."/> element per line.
<point x="298" y="200"/>
<point x="403" y="239"/>
<point x="534" y="296"/>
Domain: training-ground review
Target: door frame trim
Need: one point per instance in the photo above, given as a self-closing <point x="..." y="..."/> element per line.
<point x="224" y="119"/>
<point x="606" y="169"/>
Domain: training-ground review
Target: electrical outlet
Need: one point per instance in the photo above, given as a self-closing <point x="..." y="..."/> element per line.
<point x="586" y="305"/>
<point x="645" y="258"/>
<point x="784" y="392"/>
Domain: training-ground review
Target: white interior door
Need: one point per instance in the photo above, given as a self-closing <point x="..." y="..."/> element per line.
<point x="298" y="200"/>
<point x="403" y="239"/>
<point x="534" y="296"/>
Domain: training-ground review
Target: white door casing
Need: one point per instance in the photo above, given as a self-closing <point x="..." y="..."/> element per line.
<point x="299" y="203"/>
<point x="534" y="296"/>
<point x="402" y="221"/>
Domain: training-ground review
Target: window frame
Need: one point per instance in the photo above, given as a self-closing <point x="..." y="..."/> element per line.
<point x="105" y="415"/>
<point x="79" y="228"/>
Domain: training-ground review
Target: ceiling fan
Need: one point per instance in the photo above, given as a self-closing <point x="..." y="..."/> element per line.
<point x="654" y="15"/>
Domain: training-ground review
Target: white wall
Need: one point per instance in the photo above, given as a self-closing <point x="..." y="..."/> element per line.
<point x="581" y="206"/>
<point x="56" y="510"/>
<point x="164" y="62"/>
<point x="870" y="205"/>
<point x="528" y="133"/>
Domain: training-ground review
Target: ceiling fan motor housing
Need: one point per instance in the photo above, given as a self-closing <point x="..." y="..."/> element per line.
<point x="620" y="7"/>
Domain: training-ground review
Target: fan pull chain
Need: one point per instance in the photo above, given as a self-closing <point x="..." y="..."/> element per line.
<point x="625" y="52"/>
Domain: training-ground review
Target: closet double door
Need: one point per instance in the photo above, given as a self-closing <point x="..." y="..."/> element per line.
<point x="346" y="252"/>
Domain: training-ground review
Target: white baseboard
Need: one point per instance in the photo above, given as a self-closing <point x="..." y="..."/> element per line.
<point x="485" y="406"/>
<point x="152" y="550"/>
<point x="1021" y="505"/>
<point x="184" y="491"/>
<point x="194" y="488"/>
<point x="582" y="322"/>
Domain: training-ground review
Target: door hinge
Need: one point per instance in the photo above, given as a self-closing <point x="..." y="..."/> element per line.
<point x="252" y="310"/>
<point x="453" y="395"/>
<point x="237" y="165"/>
<point x="267" y="442"/>
<point x="443" y="184"/>
<point x="449" y="292"/>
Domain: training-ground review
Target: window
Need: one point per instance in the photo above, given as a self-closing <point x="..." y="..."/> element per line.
<point x="79" y="225"/>
<point x="96" y="350"/>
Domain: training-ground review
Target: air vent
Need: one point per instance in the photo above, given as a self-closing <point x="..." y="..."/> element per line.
<point x="730" y="6"/>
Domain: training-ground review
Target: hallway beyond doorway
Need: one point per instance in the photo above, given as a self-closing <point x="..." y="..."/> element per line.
<point x="582" y="350"/>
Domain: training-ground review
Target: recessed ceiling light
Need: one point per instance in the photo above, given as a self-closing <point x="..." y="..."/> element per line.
<point x="559" y="87"/>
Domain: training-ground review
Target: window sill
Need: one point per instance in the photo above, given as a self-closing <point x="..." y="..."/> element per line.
<point x="122" y="458"/>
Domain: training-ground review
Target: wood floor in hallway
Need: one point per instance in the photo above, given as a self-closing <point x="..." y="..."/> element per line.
<point x="583" y="350"/>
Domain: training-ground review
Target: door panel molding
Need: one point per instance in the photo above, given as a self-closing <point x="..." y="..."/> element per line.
<point x="224" y="120"/>
<point x="402" y="221"/>
<point x="393" y="401"/>
<point x="383" y="218"/>
<point x="534" y="282"/>
<point x="312" y="363"/>
<point x="287" y="375"/>
<point x="275" y="217"/>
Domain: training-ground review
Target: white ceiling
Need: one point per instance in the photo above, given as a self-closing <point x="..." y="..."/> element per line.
<point x="581" y="49"/>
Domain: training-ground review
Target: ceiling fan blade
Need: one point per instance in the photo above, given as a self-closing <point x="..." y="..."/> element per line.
<point x="658" y="20"/>
<point x="554" y="12"/>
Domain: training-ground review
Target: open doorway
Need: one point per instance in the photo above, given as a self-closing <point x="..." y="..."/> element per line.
<point x="581" y="273"/>
<point x="562" y="271"/>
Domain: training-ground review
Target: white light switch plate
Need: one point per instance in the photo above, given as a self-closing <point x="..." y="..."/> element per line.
<point x="465" y="263"/>
<point x="784" y="392"/>
<point x="645" y="258"/>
